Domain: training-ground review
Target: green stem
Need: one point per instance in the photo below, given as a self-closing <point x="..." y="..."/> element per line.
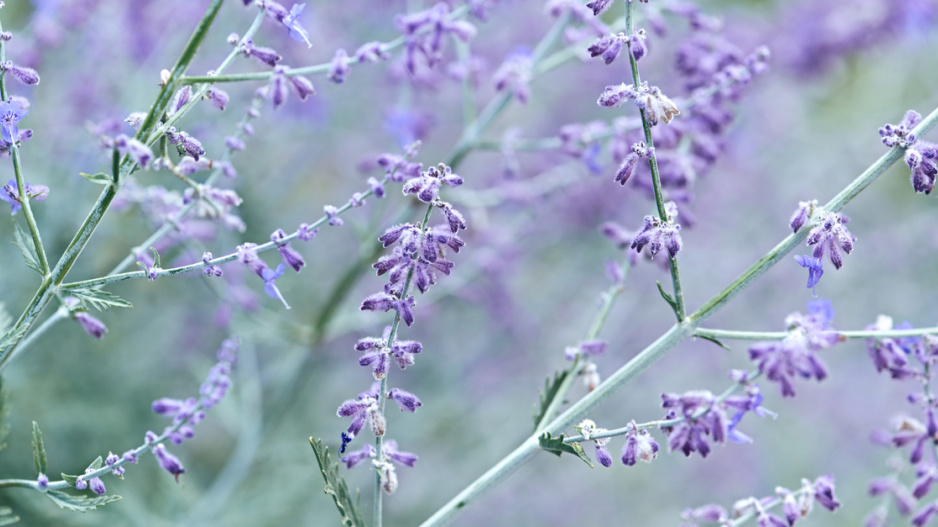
<point x="306" y="70"/>
<point x="753" y="375"/>
<point x="679" y="310"/>
<point x="20" y="181"/>
<point x="471" y="133"/>
<point x="778" y="335"/>
<point x="609" y="299"/>
<point x="382" y="399"/>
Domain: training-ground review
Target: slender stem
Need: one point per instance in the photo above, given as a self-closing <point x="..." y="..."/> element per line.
<point x="778" y="335"/>
<point x="306" y="70"/>
<point x="471" y="133"/>
<point x="659" y="347"/>
<point x="20" y="181"/>
<point x="679" y="310"/>
<point x="609" y="298"/>
<point x="382" y="399"/>
<point x="792" y="240"/>
<point x="753" y="375"/>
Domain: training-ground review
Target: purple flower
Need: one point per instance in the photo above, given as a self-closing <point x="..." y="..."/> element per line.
<point x="815" y="269"/>
<point x="217" y="97"/>
<point x="751" y="402"/>
<point x="263" y="55"/>
<point x="923" y="516"/>
<point x="830" y="236"/>
<point x="362" y="409"/>
<point x="357" y="456"/>
<point x="406" y="400"/>
<point x="637" y="45"/>
<point x="598" y="6"/>
<point x="270" y="286"/>
<point x="426" y="186"/>
<point x="297" y="32"/>
<point x="305" y="233"/>
<point x="43" y="481"/>
<point x="389" y="449"/>
<point x="10" y="115"/>
<point x="891" y="353"/>
<point x="802" y="215"/>
<point x="233" y="143"/>
<point x="180" y="99"/>
<point x="247" y="254"/>
<point x="209" y="269"/>
<point x="168" y="462"/>
<point x="796" y="354"/>
<point x="639" y="446"/>
<point x="91" y="325"/>
<point x="111" y="460"/>
<point x="603" y="455"/>
<point x="901" y="134"/>
<point x="515" y="73"/>
<point x="608" y="47"/>
<point x="627" y="168"/>
<point x="290" y="256"/>
<point x="97" y="486"/>
<point x="657" y="233"/>
<point x="333" y="214"/>
<point x="372" y="52"/>
<point x="138" y="151"/>
<point x="185" y="143"/>
<point x="922" y="158"/>
<point x="824" y="492"/>
<point x="339" y="67"/>
<point x="27" y="76"/>
<point x="701" y="415"/>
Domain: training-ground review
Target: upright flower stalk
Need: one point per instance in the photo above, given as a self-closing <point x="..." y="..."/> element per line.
<point x="650" y="116"/>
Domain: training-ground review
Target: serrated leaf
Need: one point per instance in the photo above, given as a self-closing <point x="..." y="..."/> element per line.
<point x="98" y="298"/>
<point x="547" y="395"/>
<point x="39" y="452"/>
<point x="99" y="179"/>
<point x="11" y="338"/>
<point x="555" y="445"/>
<point x="27" y="247"/>
<point x="336" y="487"/>
<point x="95" y="465"/>
<point x="80" y="503"/>
<point x="715" y="341"/>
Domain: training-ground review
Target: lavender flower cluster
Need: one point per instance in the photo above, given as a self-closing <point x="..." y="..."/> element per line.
<point x="229" y="139"/>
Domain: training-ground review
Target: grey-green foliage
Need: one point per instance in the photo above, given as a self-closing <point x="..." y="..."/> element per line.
<point x="39" y="452"/>
<point x="555" y="445"/>
<point x="79" y="503"/>
<point x="27" y="247"/>
<point x="551" y="387"/>
<point x="98" y="299"/>
<point x="336" y="486"/>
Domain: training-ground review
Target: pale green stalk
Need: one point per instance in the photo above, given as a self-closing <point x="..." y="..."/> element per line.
<point x="678" y="305"/>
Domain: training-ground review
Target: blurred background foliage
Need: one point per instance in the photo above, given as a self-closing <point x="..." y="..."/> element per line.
<point x="526" y="285"/>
